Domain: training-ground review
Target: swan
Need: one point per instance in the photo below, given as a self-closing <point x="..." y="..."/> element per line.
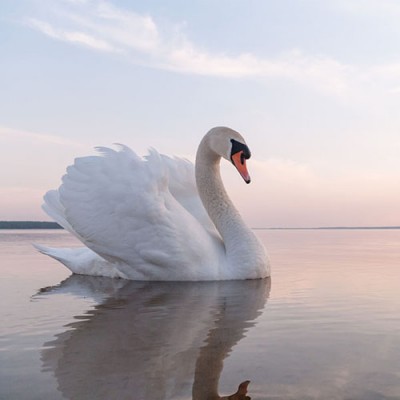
<point x="157" y="218"/>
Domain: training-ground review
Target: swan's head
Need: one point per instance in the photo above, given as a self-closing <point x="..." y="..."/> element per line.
<point x="230" y="145"/>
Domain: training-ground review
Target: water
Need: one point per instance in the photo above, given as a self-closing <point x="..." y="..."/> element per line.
<point x="326" y="326"/>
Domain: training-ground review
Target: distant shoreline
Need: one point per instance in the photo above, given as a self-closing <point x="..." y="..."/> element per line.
<point x="54" y="225"/>
<point x="29" y="225"/>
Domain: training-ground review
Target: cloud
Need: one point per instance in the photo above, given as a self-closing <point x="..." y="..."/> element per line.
<point x="320" y="72"/>
<point x="101" y="26"/>
<point x="52" y="139"/>
<point x="75" y="37"/>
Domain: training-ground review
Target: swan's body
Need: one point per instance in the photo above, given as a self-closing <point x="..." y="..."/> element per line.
<point x="155" y="218"/>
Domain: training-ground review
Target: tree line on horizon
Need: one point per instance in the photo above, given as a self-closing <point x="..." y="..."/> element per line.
<point x="29" y="225"/>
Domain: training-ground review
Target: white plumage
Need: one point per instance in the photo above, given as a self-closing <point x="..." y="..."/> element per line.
<point x="143" y="218"/>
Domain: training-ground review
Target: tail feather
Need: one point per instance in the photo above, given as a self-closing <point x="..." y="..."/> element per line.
<point x="82" y="261"/>
<point x="58" y="254"/>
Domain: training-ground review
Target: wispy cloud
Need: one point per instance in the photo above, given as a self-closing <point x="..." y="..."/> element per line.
<point x="102" y="26"/>
<point x="52" y="139"/>
<point x="76" y="37"/>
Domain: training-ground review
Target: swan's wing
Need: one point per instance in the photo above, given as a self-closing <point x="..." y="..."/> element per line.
<point x="121" y="207"/>
<point x="181" y="184"/>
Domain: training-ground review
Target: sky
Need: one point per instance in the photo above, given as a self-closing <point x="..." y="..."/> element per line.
<point x="312" y="85"/>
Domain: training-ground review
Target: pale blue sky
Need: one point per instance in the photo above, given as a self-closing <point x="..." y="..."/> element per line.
<point x="314" y="86"/>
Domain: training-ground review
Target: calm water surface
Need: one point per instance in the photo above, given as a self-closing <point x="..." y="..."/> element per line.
<point x="326" y="326"/>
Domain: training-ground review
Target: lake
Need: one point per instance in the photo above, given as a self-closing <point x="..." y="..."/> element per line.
<point x="326" y="326"/>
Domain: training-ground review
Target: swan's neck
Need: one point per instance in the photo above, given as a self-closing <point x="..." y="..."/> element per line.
<point x="238" y="239"/>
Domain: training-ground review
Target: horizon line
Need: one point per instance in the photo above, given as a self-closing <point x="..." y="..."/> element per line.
<point x="19" y="223"/>
<point x="330" y="227"/>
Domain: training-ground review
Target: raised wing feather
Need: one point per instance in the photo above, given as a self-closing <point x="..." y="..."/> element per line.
<point x="136" y="212"/>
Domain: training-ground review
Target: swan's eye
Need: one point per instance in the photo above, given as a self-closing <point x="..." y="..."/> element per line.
<point x="241" y="148"/>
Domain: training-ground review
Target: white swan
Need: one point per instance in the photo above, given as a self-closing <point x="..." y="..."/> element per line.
<point x="156" y="218"/>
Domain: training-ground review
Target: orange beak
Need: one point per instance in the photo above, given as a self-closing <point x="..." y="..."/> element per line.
<point x="240" y="163"/>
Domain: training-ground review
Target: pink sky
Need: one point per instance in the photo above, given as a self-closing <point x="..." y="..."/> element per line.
<point x="317" y="103"/>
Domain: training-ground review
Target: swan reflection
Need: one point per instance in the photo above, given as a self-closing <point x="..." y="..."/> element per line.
<point x="152" y="340"/>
